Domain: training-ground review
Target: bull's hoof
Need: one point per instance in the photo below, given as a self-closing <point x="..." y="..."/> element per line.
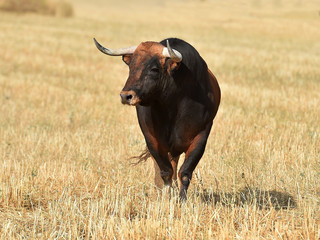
<point x="183" y="195"/>
<point x="167" y="178"/>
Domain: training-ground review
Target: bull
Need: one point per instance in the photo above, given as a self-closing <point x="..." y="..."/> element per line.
<point x="176" y="98"/>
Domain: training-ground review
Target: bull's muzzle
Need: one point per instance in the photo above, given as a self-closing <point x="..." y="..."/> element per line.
<point x="130" y="98"/>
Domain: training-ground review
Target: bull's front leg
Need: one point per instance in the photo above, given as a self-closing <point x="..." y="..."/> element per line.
<point x="157" y="172"/>
<point x="161" y="159"/>
<point x="192" y="158"/>
<point x="165" y="168"/>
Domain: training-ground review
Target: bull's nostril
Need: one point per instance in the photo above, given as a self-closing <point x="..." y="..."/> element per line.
<point x="129" y="97"/>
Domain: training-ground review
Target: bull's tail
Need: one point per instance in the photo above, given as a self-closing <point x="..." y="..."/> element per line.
<point x="142" y="157"/>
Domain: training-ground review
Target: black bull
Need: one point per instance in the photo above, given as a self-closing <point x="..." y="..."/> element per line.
<point x="176" y="98"/>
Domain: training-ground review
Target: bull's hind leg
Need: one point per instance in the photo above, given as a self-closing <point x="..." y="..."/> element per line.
<point x="193" y="156"/>
<point x="157" y="175"/>
<point x="174" y="162"/>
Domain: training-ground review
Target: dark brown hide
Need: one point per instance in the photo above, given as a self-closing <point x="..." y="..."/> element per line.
<point x="176" y="102"/>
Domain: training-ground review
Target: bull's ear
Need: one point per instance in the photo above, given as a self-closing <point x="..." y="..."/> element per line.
<point x="172" y="65"/>
<point x="126" y="58"/>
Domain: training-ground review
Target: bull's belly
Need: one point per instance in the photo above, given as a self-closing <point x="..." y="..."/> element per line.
<point x="182" y="137"/>
<point x="175" y="137"/>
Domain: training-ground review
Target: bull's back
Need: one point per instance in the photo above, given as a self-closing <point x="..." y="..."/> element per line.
<point x="215" y="94"/>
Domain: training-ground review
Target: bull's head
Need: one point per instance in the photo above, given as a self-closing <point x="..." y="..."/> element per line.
<point x="149" y="64"/>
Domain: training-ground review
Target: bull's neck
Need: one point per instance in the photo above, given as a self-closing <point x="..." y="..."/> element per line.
<point x="168" y="99"/>
<point x="169" y="93"/>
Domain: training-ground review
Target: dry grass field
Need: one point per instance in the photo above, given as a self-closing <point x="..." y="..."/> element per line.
<point x="65" y="138"/>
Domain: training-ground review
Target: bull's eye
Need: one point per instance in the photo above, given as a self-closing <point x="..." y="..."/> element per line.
<point x="155" y="70"/>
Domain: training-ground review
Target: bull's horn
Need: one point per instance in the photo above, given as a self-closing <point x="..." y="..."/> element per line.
<point x="172" y="53"/>
<point x="115" y="52"/>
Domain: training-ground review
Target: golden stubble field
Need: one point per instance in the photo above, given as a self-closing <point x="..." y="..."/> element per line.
<point x="65" y="138"/>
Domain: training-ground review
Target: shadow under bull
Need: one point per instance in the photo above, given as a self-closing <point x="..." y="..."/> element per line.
<point x="247" y="196"/>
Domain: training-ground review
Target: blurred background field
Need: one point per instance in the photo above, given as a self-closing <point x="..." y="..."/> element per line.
<point x="50" y="7"/>
<point x="65" y="138"/>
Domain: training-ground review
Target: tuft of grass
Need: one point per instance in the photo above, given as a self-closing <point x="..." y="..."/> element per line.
<point x="59" y="8"/>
